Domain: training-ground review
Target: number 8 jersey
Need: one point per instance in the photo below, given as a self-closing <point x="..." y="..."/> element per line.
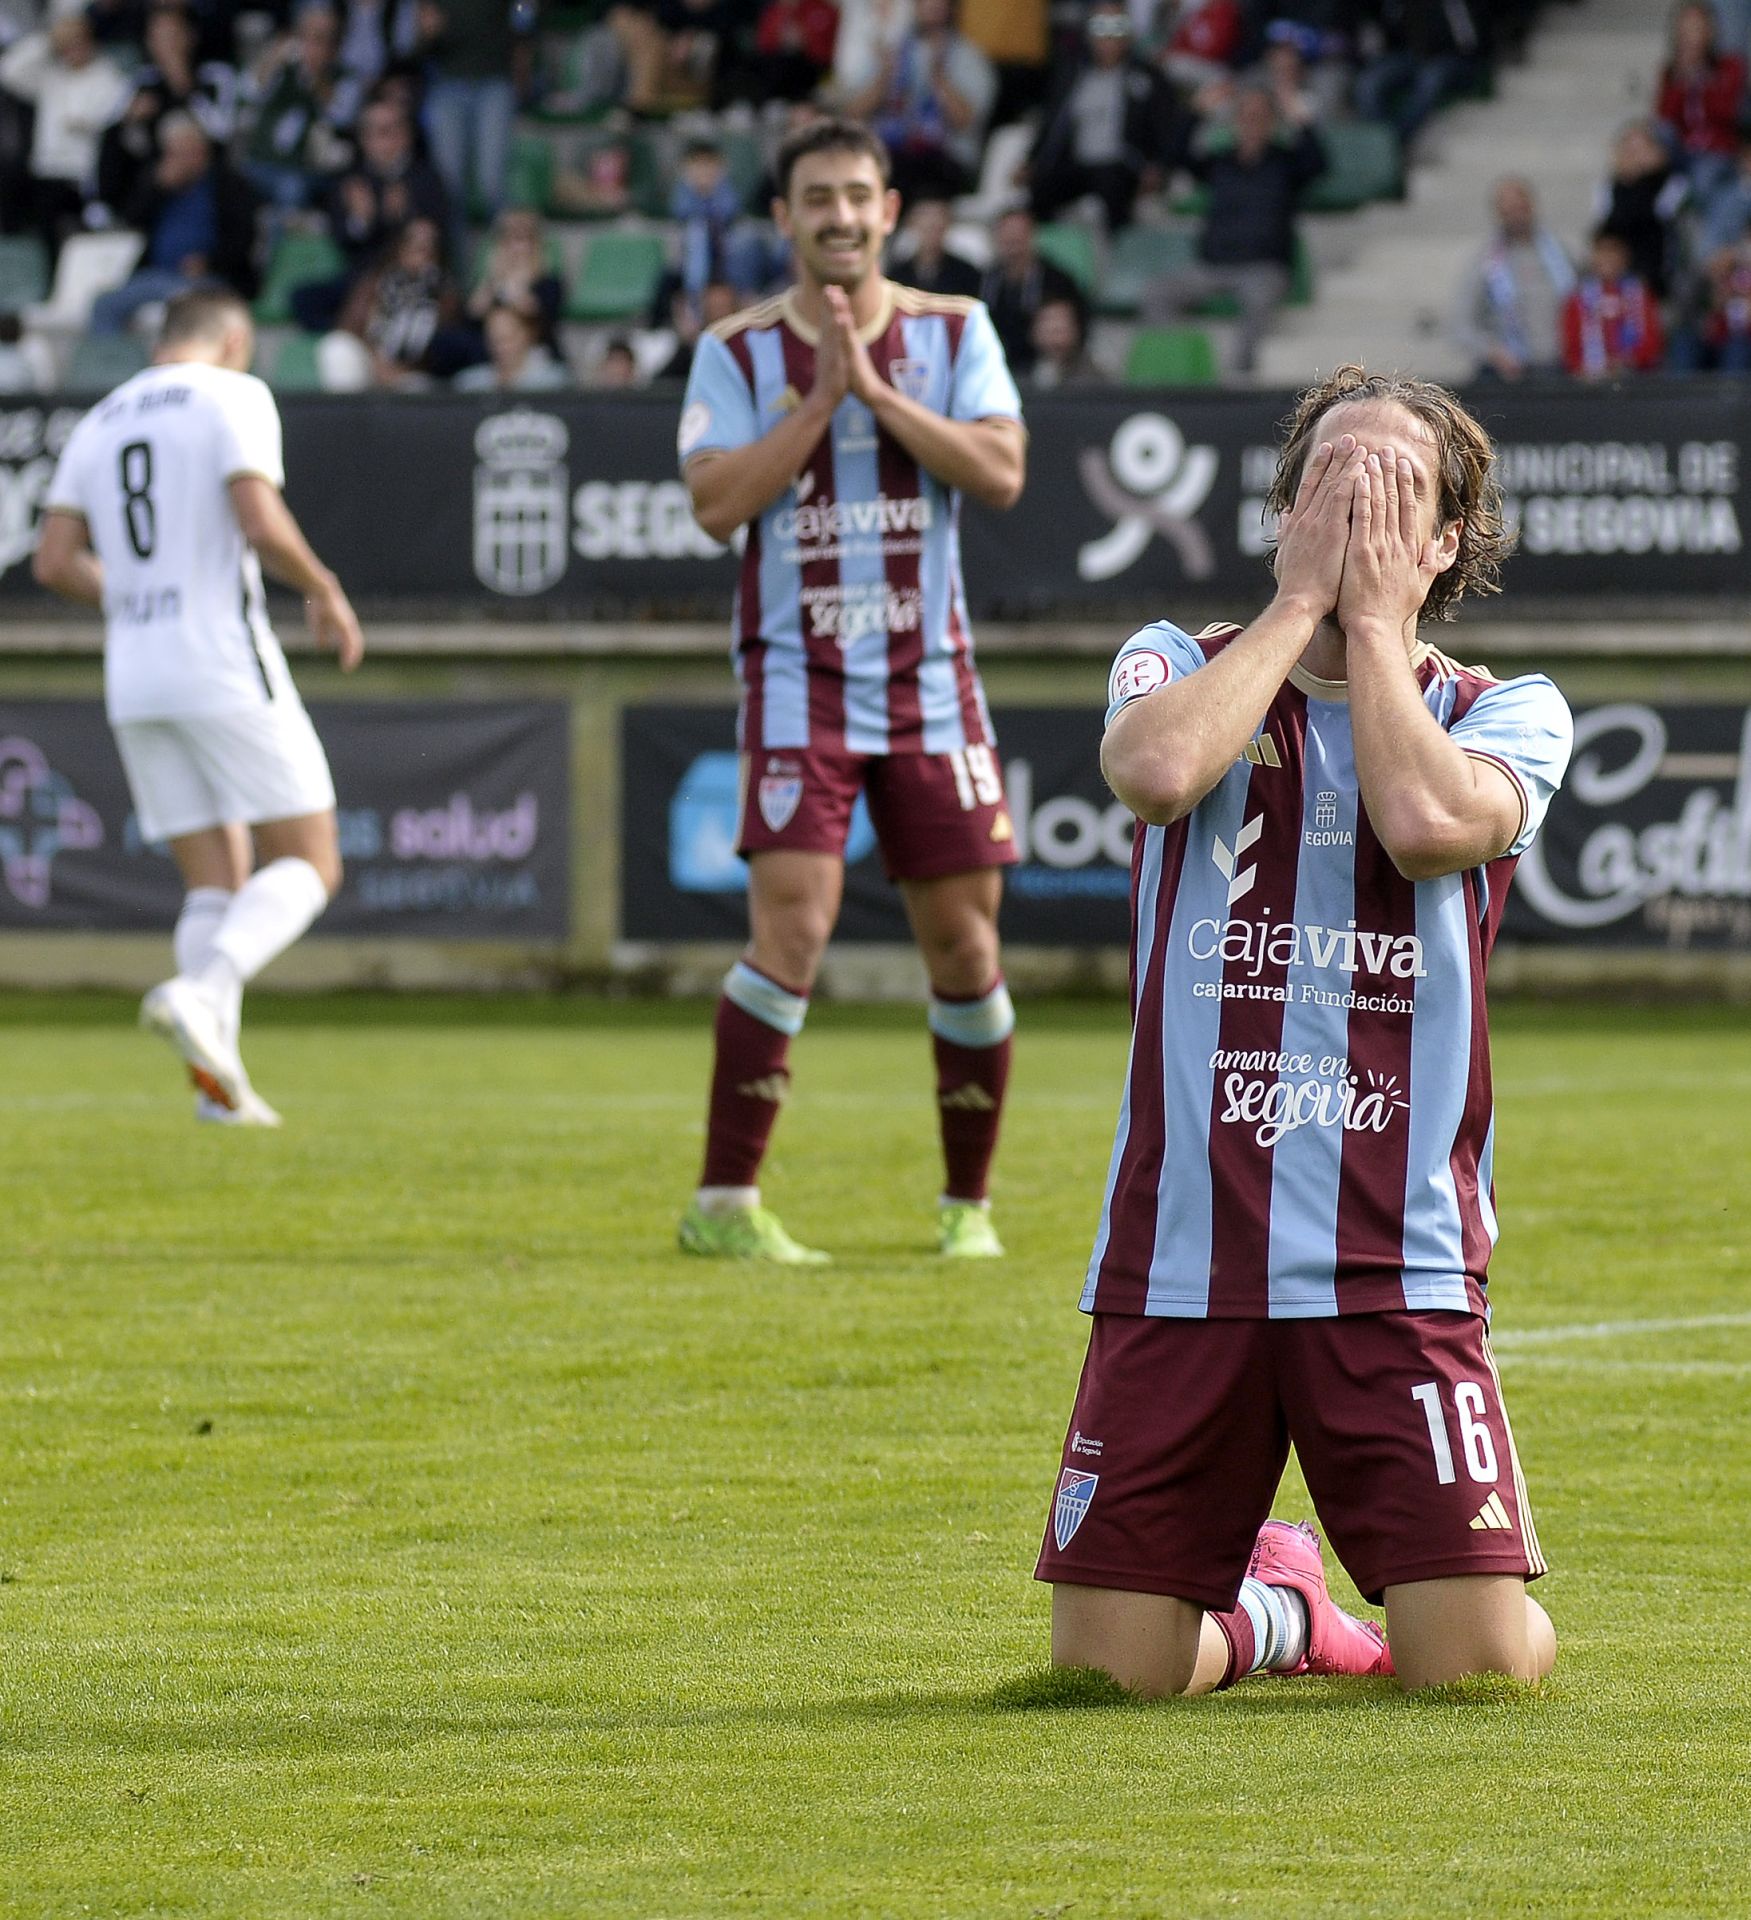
<point x="148" y="470"/>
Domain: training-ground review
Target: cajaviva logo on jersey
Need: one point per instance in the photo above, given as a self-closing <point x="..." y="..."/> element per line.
<point x="40" y="816"/>
<point x="1150" y="484"/>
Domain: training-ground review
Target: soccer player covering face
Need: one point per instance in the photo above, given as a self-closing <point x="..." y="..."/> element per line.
<point x="1298" y="1215"/>
<point x="840" y="424"/>
<point x="163" y="509"/>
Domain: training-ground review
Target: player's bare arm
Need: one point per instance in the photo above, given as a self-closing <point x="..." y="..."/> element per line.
<point x="1162" y="755"/>
<point x="64" y="561"/>
<point x="269" y="526"/>
<point x="1436" y="808"/>
<point x="984" y="459"/>
<point x="732" y="489"/>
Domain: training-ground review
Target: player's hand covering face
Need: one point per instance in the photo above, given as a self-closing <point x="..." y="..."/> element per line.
<point x="1395" y="551"/>
<point x="838" y="217"/>
<point x="1313" y="536"/>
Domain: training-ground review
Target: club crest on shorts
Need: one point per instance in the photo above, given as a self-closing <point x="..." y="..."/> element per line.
<point x="780" y="793"/>
<point x="1070" y="1509"/>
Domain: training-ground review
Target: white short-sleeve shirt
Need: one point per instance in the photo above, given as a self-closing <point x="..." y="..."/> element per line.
<point x="149" y="470"/>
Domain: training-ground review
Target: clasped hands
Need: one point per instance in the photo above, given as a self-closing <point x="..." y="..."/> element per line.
<point x="1353" y="545"/>
<point x="842" y="362"/>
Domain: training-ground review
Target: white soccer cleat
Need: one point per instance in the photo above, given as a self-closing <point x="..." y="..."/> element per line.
<point x="251" y="1111"/>
<point x="178" y="1011"/>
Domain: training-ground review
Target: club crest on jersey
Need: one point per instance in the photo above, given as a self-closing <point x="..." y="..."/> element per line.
<point x="910" y="377"/>
<point x="780" y="793"/>
<point x="522" y="502"/>
<point x="1070" y="1509"/>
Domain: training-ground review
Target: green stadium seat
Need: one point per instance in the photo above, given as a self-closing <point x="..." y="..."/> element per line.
<point x="529" y="178"/>
<point x="24" y="272"/>
<point x="104" y="360"/>
<point x="1224" y="306"/>
<point x="747" y="168"/>
<point x="294" y="369"/>
<point x="1171" y="357"/>
<point x="1070" y="248"/>
<point x="618" y="278"/>
<point x="297" y="257"/>
<point x="1142" y="254"/>
<point x="1363" y="164"/>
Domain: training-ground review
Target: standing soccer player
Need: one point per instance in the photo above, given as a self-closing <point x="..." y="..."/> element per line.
<point x="1299" y="1213"/>
<point x="840" y="424"/>
<point x="163" y="508"/>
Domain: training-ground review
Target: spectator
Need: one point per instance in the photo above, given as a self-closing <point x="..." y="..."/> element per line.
<point x="471" y="98"/>
<point x="378" y="37"/>
<point x="1511" y="300"/>
<point x="690" y="320"/>
<point x="1434" y="49"/>
<point x="1611" y="321"/>
<point x="1016" y="37"/>
<point x="1303" y="92"/>
<point x="517" y="360"/>
<point x="517" y="274"/>
<point x="870" y="32"/>
<point x="618" y="366"/>
<point x="75" y="91"/>
<point x="928" y="264"/>
<point x="1247" y="245"/>
<point x="1728" y="212"/>
<point x="792" y="51"/>
<point x="1641" y="199"/>
<point x="1018" y="283"/>
<point x="399" y="325"/>
<point x="1724" y="343"/>
<point x="1060" y="348"/>
<point x="199" y="221"/>
<point x="671" y="50"/>
<point x="369" y="204"/>
<point x="173" y="80"/>
<point x="705" y="206"/>
<point x="596" y="182"/>
<point x="1205" y="39"/>
<point x="1702" y="92"/>
<point x="1114" y="127"/>
<point x="307" y="103"/>
<point x="930" y="103"/>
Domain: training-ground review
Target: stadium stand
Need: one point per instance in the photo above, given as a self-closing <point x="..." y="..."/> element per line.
<point x="612" y="126"/>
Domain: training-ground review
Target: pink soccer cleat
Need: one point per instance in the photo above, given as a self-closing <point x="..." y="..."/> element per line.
<point x="1287" y="1555"/>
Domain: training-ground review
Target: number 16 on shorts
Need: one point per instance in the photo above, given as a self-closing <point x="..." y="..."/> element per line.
<point x="1476" y="1446"/>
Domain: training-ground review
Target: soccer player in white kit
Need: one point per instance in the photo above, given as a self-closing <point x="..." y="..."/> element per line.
<point x="163" y="510"/>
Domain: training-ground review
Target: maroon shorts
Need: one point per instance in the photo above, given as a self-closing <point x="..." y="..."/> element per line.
<point x="934" y="813"/>
<point x="1182" y="1428"/>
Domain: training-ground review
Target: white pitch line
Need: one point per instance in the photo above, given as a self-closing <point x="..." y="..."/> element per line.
<point x="1513" y="1337"/>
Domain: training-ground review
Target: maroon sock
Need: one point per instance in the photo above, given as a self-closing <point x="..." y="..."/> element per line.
<point x="1237" y="1630"/>
<point x="748" y="1083"/>
<point x="969" y="1104"/>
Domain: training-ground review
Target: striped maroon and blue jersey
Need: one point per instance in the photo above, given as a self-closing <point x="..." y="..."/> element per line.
<point x="1307" y="1125"/>
<point x="850" y="622"/>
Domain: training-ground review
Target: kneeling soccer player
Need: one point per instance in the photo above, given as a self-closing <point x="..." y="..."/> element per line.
<point x="1298" y="1215"/>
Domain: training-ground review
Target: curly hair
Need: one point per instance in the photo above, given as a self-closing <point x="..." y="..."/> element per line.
<point x="1465" y="460"/>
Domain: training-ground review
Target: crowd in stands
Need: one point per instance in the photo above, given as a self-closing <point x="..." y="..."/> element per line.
<point x="512" y="195"/>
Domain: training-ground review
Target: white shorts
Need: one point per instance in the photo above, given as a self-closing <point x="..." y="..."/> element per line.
<point x="211" y="769"/>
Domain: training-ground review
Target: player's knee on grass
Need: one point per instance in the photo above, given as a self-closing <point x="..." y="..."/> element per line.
<point x="1148" y="1642"/>
<point x="1444" y="1630"/>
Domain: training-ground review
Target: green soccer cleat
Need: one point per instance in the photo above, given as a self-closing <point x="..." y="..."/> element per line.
<point x="964" y="1232"/>
<point x="747" y="1233"/>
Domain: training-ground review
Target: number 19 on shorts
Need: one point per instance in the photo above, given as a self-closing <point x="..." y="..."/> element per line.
<point x="1476" y="1447"/>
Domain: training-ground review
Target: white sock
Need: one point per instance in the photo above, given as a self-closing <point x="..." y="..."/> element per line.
<point x="267" y="913"/>
<point x="202" y="910"/>
<point x="1279" y="1625"/>
<point x="715" y="1202"/>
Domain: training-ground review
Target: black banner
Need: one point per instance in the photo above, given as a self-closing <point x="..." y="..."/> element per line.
<point x="569" y="506"/>
<point x="1648" y="844"/>
<point x="682" y="880"/>
<point x="455" y="821"/>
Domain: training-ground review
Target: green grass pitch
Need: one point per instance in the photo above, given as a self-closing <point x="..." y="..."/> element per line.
<point x="393" y="1524"/>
